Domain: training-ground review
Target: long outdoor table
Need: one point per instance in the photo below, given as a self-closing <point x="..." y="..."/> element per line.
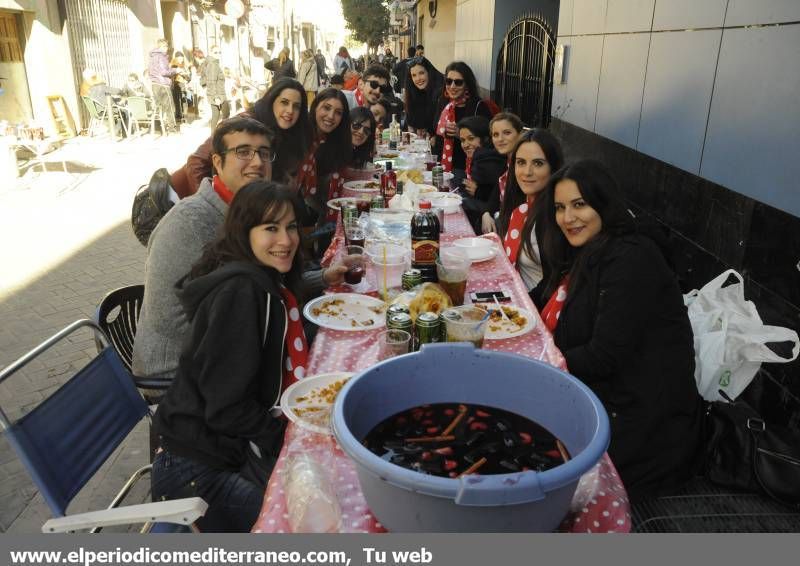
<point x="600" y="503"/>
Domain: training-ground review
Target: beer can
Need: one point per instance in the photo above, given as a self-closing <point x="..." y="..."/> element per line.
<point x="376" y="202"/>
<point x="428" y="329"/>
<point x="442" y="328"/>
<point x="401" y="321"/>
<point x="349" y="213"/>
<point x="396" y="309"/>
<point x="411" y="278"/>
<point x="437" y="177"/>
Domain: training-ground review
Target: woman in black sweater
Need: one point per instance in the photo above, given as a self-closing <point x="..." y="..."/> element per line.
<point x="219" y="438"/>
<point x="423" y="88"/>
<point x="460" y="100"/>
<point x="617" y="314"/>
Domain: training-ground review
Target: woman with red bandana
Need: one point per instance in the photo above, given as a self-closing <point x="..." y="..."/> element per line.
<point x="536" y="156"/>
<point x="219" y="436"/>
<point x="320" y="176"/>
<point x="616" y="312"/>
<point x="460" y="100"/>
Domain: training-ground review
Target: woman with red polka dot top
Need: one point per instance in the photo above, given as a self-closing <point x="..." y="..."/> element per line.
<point x="461" y="99"/>
<point x="219" y="437"/>
<point x="536" y="155"/>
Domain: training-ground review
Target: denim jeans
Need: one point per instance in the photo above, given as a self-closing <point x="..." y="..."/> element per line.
<point x="234" y="501"/>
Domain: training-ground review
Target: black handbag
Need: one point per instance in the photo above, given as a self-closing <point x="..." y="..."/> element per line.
<point x="744" y="451"/>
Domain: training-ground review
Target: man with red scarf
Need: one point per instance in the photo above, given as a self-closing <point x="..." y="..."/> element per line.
<point x="242" y="154"/>
<point x="374" y="82"/>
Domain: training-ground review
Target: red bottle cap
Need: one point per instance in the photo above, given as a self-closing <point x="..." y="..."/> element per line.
<point x="423" y="204"/>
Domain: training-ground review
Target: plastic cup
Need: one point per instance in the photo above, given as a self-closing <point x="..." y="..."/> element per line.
<point x="466" y="324"/>
<point x="355" y="261"/>
<point x="394" y="342"/>
<point x="388" y="262"/>
<point x="452" y="268"/>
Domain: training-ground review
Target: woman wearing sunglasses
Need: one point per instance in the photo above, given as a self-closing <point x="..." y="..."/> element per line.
<point x="362" y="135"/>
<point x="459" y="101"/>
<point x="423" y="87"/>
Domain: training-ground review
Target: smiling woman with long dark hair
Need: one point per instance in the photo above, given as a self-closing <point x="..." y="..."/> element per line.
<point x="461" y="99"/>
<point x="423" y="88"/>
<point x="219" y="439"/>
<point x="616" y="313"/>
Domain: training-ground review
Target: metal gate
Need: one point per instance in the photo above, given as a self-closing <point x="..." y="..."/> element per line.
<point x="524" y="81"/>
<point x="99" y="39"/>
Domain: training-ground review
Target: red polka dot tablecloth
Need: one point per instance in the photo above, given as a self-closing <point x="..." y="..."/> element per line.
<point x="600" y="503"/>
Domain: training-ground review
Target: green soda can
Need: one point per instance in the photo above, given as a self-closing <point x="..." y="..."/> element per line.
<point x="411" y="278"/>
<point x="377" y="202"/>
<point x="349" y="213"/>
<point x="442" y="328"/>
<point x="401" y="321"/>
<point x="428" y="329"/>
<point x="396" y="309"/>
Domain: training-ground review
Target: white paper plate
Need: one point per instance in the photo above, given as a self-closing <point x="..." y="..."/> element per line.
<point x="309" y="401"/>
<point x="478" y="249"/>
<point x="449" y="202"/>
<point x="346" y="311"/>
<point x="501" y="329"/>
<point x="336" y="203"/>
<point x="363" y="186"/>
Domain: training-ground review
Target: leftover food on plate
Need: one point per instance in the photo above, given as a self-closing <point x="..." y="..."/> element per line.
<point x="516" y="321"/>
<point x="308" y="402"/>
<point x="413" y="175"/>
<point x="346" y="311"/>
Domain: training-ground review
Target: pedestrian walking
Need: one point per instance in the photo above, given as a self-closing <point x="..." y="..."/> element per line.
<point x="281" y="66"/>
<point x="322" y="72"/>
<point x="214" y="81"/>
<point x="342" y="62"/>
<point x="161" y="75"/>
<point x="308" y="75"/>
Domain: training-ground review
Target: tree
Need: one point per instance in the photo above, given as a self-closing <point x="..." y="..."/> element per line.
<point x="367" y="19"/>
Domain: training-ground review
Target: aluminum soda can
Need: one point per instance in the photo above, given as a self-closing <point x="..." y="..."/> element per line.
<point x="377" y="202"/>
<point x="411" y="278"/>
<point x="428" y="329"/>
<point x="437" y="176"/>
<point x="396" y="309"/>
<point x="401" y="321"/>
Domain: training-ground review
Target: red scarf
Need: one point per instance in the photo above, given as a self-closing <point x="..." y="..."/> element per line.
<point x="335" y="188"/>
<point x="552" y="310"/>
<point x="449" y="115"/>
<point x="359" y="97"/>
<point x="469" y="167"/>
<point x="502" y="182"/>
<point x="296" y="361"/>
<point x="307" y="174"/>
<point x="224" y="192"/>
<point x="513" y="239"/>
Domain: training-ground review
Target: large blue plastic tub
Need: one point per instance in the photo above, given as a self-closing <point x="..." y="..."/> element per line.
<point x="407" y="501"/>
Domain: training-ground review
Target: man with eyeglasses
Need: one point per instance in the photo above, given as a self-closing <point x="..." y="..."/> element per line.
<point x="373" y="83"/>
<point x="242" y="153"/>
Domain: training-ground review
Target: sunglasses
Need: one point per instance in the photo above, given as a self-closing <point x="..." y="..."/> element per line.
<point x="381" y="87"/>
<point x="356" y="126"/>
<point x="457" y="82"/>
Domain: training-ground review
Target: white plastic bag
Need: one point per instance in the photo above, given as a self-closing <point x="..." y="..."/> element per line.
<point x="729" y="337"/>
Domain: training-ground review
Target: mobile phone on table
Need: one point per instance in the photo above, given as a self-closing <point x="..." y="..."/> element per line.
<point x="489" y="296"/>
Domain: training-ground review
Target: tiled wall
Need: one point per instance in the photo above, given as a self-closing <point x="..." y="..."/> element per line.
<point x="709" y="86"/>
<point x="714" y="229"/>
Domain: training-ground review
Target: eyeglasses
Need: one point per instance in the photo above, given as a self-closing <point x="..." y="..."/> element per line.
<point x="356" y="126"/>
<point x="457" y="82"/>
<point x="246" y="153"/>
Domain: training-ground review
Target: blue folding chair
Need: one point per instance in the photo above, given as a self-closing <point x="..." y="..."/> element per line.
<point x="65" y="440"/>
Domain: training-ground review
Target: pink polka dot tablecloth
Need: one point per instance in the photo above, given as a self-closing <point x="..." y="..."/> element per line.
<point x="600" y="503"/>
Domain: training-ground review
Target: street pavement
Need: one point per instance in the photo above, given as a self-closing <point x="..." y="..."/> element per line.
<point x="67" y="241"/>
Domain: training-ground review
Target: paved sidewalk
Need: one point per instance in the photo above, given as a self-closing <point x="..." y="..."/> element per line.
<point x="67" y="241"/>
